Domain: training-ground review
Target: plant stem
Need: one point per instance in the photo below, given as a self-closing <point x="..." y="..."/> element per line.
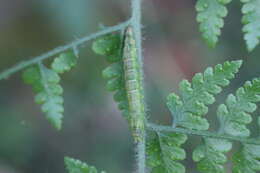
<point x="74" y="44"/>
<point x="139" y="144"/>
<point x="160" y="128"/>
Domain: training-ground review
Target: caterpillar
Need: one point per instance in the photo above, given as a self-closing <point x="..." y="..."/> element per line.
<point x="124" y="77"/>
<point x="133" y="84"/>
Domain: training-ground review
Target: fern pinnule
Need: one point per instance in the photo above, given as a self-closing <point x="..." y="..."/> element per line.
<point x="164" y="151"/>
<point x="251" y="21"/>
<point x="77" y="166"/>
<point x="234" y="115"/>
<point x="210" y="155"/>
<point x="210" y="16"/>
<point x="107" y="45"/>
<point x="45" y="83"/>
<point x="64" y="62"/>
<point x="49" y="93"/>
<point x="247" y="159"/>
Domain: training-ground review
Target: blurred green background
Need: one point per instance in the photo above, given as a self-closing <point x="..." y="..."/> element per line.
<point x="93" y="128"/>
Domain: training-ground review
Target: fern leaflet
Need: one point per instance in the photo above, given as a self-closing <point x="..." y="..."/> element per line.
<point x="76" y="166"/>
<point x="111" y="46"/>
<point x="251" y="21"/>
<point x="164" y="151"/>
<point x="188" y="109"/>
<point x="247" y="160"/>
<point x="234" y="115"/>
<point x="107" y="45"/>
<point x="210" y="155"/>
<point x="210" y="16"/>
<point x="233" y="120"/>
<point x="45" y="83"/>
<point x="64" y="62"/>
<point x="48" y="93"/>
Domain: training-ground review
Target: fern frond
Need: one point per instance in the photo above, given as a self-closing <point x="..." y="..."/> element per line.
<point x="188" y="109"/>
<point x="164" y="152"/>
<point x="247" y="160"/>
<point x="251" y="21"/>
<point x="45" y="83"/>
<point x="111" y="46"/>
<point x="210" y="16"/>
<point x="195" y="96"/>
<point x="76" y="166"/>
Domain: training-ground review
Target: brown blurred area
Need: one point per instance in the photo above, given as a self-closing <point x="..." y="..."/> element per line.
<point x="93" y="128"/>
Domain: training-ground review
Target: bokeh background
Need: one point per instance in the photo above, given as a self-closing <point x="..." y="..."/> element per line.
<point x="93" y="128"/>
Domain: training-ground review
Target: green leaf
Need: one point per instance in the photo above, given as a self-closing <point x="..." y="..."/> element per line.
<point x="76" y="166"/>
<point x="113" y="71"/>
<point x="247" y="160"/>
<point x="64" y="62"/>
<point x="188" y="109"/>
<point x="115" y="84"/>
<point x="107" y="45"/>
<point x="110" y="45"/>
<point x="210" y="155"/>
<point x="251" y="21"/>
<point x="233" y="119"/>
<point x="32" y="76"/>
<point x="210" y="16"/>
<point x="163" y="152"/>
<point x="46" y="84"/>
<point x="234" y="115"/>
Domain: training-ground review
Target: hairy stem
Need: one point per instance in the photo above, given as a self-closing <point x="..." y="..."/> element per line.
<point x="140" y="143"/>
<point x="20" y="66"/>
<point x="160" y="128"/>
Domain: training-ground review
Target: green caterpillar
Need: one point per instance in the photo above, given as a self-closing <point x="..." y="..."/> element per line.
<point x="123" y="76"/>
<point x="133" y="83"/>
